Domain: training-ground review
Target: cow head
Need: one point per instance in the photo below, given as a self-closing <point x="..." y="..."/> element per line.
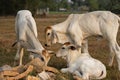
<point x="51" y="36"/>
<point x="65" y="50"/>
<point x="44" y="55"/>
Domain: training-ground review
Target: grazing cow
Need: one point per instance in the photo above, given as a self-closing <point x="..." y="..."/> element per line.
<point x="26" y="32"/>
<point x="82" y="65"/>
<point x="78" y="27"/>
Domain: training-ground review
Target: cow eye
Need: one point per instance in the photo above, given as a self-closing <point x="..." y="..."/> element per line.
<point x="63" y="48"/>
<point x="48" y="34"/>
<point x="42" y="58"/>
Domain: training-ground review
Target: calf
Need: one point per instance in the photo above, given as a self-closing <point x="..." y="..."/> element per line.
<point x="26" y="32"/>
<point x="82" y="65"/>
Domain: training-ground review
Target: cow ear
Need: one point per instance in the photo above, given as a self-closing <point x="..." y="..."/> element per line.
<point x="72" y="47"/>
<point x="47" y="28"/>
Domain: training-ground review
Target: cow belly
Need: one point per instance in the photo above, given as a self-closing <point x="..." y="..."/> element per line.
<point x="90" y="27"/>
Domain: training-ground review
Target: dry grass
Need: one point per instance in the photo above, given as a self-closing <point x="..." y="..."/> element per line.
<point x="98" y="48"/>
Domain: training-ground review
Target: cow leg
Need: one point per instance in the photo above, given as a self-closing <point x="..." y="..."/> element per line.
<point x="17" y="56"/>
<point x="112" y="54"/>
<point x="118" y="58"/>
<point x="64" y="70"/>
<point x="21" y="56"/>
<point x="115" y="49"/>
<point x="70" y="69"/>
<point x="85" y="46"/>
<point x="109" y="31"/>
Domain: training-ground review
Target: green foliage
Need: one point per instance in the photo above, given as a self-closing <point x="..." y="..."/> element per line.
<point x="52" y="4"/>
<point x="93" y="4"/>
<point x="63" y="3"/>
<point x="6" y="7"/>
<point x="10" y="7"/>
<point x="111" y="5"/>
<point x="32" y="5"/>
<point x="105" y="4"/>
<point x="117" y="6"/>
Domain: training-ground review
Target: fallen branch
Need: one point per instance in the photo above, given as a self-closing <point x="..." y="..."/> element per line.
<point x="20" y="72"/>
<point x="29" y="69"/>
<point x="51" y="69"/>
<point x="9" y="73"/>
<point x="19" y="69"/>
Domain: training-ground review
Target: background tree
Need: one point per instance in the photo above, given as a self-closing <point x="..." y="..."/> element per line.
<point x="93" y="4"/>
<point x="105" y="4"/>
<point x="111" y="5"/>
<point x="115" y="6"/>
<point x="10" y="7"/>
<point x="32" y="5"/>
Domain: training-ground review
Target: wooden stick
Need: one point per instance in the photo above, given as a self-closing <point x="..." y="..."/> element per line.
<point x="36" y="63"/>
<point x="51" y="69"/>
<point x="29" y="69"/>
<point x="9" y="73"/>
<point x="1" y="77"/>
<point x="19" y="69"/>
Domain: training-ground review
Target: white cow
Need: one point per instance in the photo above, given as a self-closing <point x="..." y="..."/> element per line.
<point x="26" y="32"/>
<point x="82" y="65"/>
<point x="78" y="27"/>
